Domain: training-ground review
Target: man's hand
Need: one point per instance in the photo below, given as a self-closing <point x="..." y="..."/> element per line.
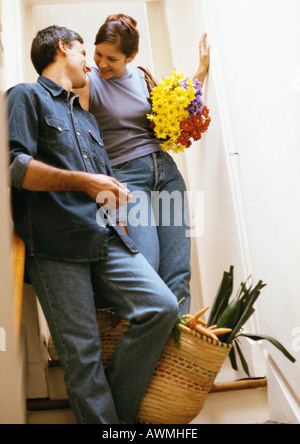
<point x="107" y="191"/>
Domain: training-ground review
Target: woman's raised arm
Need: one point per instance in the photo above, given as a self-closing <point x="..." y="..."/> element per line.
<point x="204" y="59"/>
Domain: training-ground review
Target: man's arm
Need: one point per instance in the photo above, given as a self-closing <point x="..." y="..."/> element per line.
<point x="45" y="178"/>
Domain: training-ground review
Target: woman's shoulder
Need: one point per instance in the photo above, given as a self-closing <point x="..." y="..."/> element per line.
<point x="144" y="76"/>
<point x="139" y="72"/>
<point x="94" y="74"/>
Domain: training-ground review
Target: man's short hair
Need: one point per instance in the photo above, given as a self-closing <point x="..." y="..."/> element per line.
<point x="45" y="45"/>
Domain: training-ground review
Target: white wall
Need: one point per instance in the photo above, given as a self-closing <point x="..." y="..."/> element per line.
<point x="252" y="200"/>
<point x="13" y="13"/>
<point x="12" y="398"/>
<point x="259" y="51"/>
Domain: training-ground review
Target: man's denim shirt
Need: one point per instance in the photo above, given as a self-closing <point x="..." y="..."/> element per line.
<point x="46" y="126"/>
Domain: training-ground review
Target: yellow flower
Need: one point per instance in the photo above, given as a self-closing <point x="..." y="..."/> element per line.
<point x="190" y="96"/>
<point x="159" y="120"/>
<point x="150" y="117"/>
<point x="160" y="132"/>
<point x="167" y="146"/>
<point x="178" y="76"/>
<point x="183" y="115"/>
<point x="176" y="133"/>
<point x="190" y="83"/>
<point x="180" y="93"/>
<point x="168" y="81"/>
<point x="158" y="105"/>
<point x="173" y="126"/>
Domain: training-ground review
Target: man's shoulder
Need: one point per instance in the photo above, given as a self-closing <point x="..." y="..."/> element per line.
<point x="24" y="89"/>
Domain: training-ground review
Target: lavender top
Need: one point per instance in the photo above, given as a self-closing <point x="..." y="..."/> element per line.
<point x="120" y="106"/>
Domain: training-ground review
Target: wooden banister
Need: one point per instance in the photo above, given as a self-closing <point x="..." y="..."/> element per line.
<point x="18" y="269"/>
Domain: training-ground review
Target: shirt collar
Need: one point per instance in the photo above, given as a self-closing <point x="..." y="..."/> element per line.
<point x="52" y="87"/>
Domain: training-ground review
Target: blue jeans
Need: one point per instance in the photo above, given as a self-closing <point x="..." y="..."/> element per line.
<point x="156" y="222"/>
<point x="69" y="292"/>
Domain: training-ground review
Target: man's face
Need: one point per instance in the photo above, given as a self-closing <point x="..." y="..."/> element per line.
<point x="77" y="65"/>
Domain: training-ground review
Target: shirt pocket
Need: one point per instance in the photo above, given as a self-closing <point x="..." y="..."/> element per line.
<point x="58" y="135"/>
<point x="97" y="147"/>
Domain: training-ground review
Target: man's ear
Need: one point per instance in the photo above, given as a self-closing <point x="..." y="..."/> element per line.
<point x="63" y="47"/>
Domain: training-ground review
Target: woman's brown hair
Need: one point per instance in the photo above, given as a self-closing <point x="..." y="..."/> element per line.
<point x="120" y="30"/>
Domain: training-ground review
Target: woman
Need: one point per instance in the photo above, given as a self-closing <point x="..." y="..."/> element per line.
<point x="117" y="96"/>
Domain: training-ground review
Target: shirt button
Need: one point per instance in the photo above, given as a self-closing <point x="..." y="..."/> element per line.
<point x="59" y="128"/>
<point x="78" y="133"/>
<point x="85" y="156"/>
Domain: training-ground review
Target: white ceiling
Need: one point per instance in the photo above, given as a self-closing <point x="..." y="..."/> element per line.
<point x="60" y="2"/>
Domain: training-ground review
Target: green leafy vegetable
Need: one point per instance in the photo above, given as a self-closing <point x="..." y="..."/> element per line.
<point x="175" y="333"/>
<point x="234" y="314"/>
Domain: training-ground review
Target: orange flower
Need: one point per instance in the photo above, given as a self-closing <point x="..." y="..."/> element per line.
<point x="205" y="111"/>
<point x="187" y="125"/>
<point x="183" y="139"/>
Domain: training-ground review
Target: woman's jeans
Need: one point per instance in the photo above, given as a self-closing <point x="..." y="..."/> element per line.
<point x="157" y="218"/>
<point x="69" y="292"/>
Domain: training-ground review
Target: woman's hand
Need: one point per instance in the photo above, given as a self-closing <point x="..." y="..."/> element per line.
<point x="204" y="59"/>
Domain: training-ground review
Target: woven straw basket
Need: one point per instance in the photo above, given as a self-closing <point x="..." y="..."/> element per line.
<point x="182" y="378"/>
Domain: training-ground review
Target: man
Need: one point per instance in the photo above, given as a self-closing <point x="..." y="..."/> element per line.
<point x="58" y="168"/>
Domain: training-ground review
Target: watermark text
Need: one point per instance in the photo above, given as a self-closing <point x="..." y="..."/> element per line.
<point x="157" y="209"/>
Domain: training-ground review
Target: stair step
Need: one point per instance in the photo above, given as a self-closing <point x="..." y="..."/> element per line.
<point x="57" y="388"/>
<point x="242" y="401"/>
<point x="243" y="384"/>
<point x="47" y="411"/>
<point x="38" y="405"/>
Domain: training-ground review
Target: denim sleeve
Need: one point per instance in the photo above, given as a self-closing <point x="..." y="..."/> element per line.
<point x="22" y="132"/>
<point x="18" y="170"/>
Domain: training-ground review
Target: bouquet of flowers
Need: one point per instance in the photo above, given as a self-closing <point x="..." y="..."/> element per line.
<point x="178" y="115"/>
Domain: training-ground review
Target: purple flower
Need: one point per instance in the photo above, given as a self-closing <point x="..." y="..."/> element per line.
<point x="196" y="106"/>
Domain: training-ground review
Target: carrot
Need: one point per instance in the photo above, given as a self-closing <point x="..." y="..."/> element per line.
<point x="195" y="318"/>
<point x="204" y="323"/>
<point x="200" y="313"/>
<point x="221" y="331"/>
<point x="212" y="327"/>
<point x="188" y="317"/>
<point x="206" y="332"/>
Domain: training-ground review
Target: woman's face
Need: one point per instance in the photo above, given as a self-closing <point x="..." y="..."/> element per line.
<point x="110" y="61"/>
